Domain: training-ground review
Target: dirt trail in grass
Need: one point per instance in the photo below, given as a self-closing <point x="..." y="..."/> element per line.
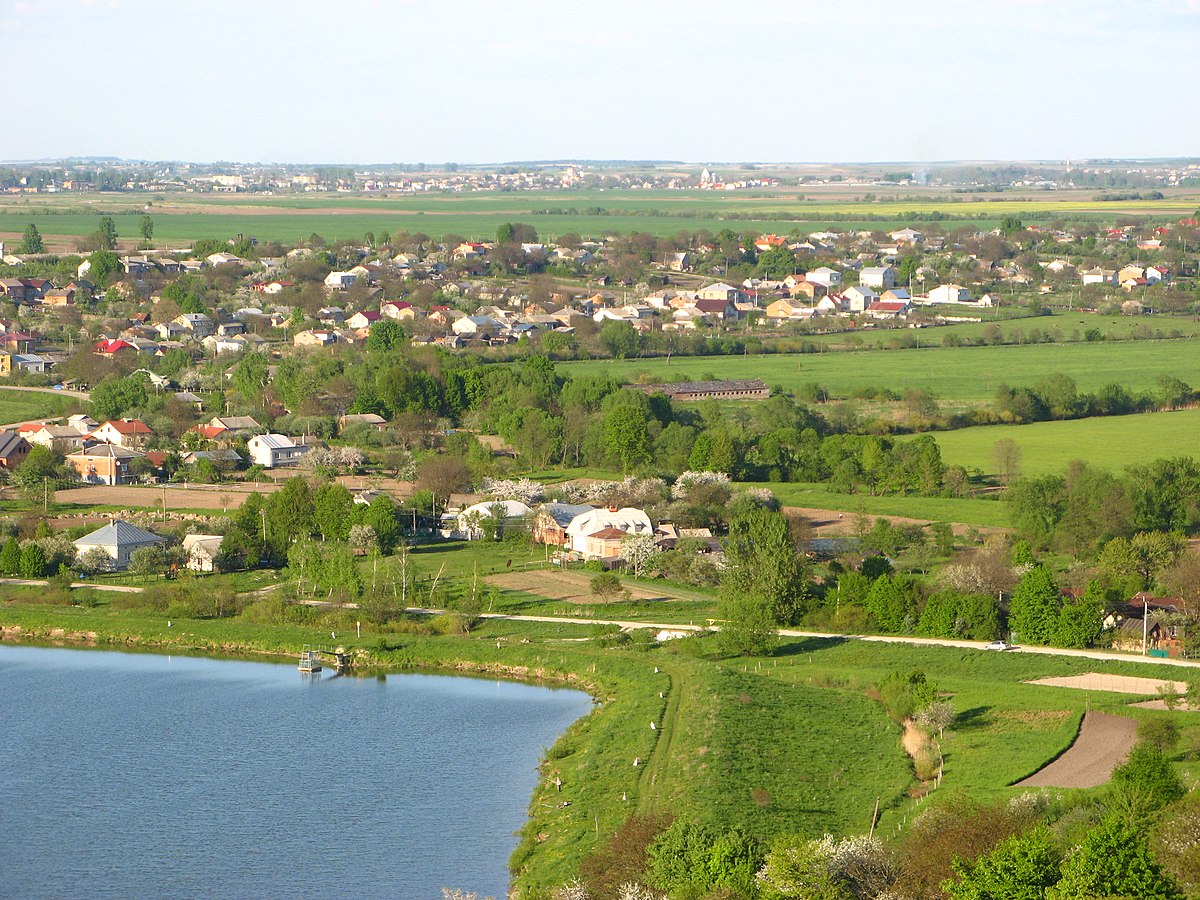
<point x="1103" y="742"/>
<point x="573" y="587"/>
<point x="660" y="760"/>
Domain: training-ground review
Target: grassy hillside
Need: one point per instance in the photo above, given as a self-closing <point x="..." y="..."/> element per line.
<point x="1112" y="442"/>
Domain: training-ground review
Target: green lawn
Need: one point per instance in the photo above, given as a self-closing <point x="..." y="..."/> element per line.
<point x="964" y="374"/>
<point x="1111" y="442"/>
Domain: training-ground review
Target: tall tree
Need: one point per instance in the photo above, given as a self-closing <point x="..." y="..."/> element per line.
<point x="627" y="436"/>
<point x="32" y="241"/>
<point x="764" y="584"/>
<point x="147" y="229"/>
<point x="1033" y="611"/>
<point x="107" y="233"/>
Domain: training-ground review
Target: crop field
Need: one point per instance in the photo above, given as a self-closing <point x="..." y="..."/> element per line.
<point x="182" y="218"/>
<point x="1111" y="442"/>
<point x="962" y="510"/>
<point x="958" y="373"/>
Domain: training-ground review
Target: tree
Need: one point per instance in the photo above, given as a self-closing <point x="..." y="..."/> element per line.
<point x="113" y="397"/>
<point x="442" y="476"/>
<point x="33" y="561"/>
<point x="381" y="516"/>
<point x="147" y="561"/>
<point x="332" y="506"/>
<point x="385" y="335"/>
<point x="363" y="538"/>
<point x="1006" y="454"/>
<point x="1114" y="861"/>
<point x="289" y="515"/>
<point x="32" y="241"/>
<point x="107" y="233"/>
<point x="104" y="264"/>
<point x="10" y="558"/>
<point x="147" y="229"/>
<point x="94" y="561"/>
<point x="892" y="603"/>
<point x="1021" y="867"/>
<point x="607" y="586"/>
<point x="1033" y="613"/>
<point x="1140" y="558"/>
<point x="764" y="584"/>
<point x="1175" y="843"/>
<point x="627" y="436"/>
<point x="638" y="551"/>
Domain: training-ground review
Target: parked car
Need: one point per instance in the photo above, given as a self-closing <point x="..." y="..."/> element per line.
<point x="1001" y="645"/>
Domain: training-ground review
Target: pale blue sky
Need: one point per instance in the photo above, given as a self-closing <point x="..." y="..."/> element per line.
<point x="467" y="81"/>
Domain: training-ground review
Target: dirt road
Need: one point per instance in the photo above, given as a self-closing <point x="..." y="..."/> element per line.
<point x="1103" y="742"/>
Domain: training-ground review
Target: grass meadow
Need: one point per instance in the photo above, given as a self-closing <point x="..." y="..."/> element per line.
<point x="1111" y="442"/>
<point x="21" y="406"/>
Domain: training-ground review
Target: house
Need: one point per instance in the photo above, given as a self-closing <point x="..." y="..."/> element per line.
<point x="824" y="276"/>
<point x="720" y="291"/>
<point x="550" y="522"/>
<point x="882" y="277"/>
<point x="949" y="293"/>
<point x="598" y="533"/>
<point x="13" y="449"/>
<point x="509" y="512"/>
<point x="340" y="281"/>
<point x="371" y="420"/>
<point x="272" y="451"/>
<point x="60" y="438"/>
<point x="788" y="311"/>
<point x="895" y="294"/>
<point x="363" y="320"/>
<point x="719" y="309"/>
<point x="202" y="551"/>
<point x="221" y="259"/>
<point x="1156" y="274"/>
<point x="198" y="324"/>
<point x="59" y="297"/>
<point x="1098" y="275"/>
<point x="118" y="539"/>
<point x="123" y="432"/>
<point x="858" y="298"/>
<point x="83" y="423"/>
<point x="236" y="424"/>
<point x="481" y="326"/>
<point x="31" y="362"/>
<point x="393" y="309"/>
<point x="104" y="463"/>
<point x="314" y="339"/>
<point x="888" y="309"/>
<point x="907" y="236"/>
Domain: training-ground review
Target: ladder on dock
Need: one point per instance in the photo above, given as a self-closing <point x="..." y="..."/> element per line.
<point x="310" y="658"/>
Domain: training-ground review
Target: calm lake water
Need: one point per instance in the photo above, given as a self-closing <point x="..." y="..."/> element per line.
<point x="128" y="775"/>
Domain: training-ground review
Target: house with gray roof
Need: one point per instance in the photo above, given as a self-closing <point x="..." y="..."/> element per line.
<point x="118" y="539"/>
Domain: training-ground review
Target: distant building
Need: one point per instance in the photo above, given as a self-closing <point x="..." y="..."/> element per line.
<point x="118" y="539"/>
<point x="754" y="389"/>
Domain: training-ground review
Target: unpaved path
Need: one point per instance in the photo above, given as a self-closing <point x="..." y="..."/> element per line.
<point x="1116" y="684"/>
<point x="831" y="522"/>
<point x="1103" y="742"/>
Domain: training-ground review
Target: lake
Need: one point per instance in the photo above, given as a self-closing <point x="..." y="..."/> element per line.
<point x="142" y="775"/>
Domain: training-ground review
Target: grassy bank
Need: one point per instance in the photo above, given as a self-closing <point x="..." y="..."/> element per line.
<point x="791" y="742"/>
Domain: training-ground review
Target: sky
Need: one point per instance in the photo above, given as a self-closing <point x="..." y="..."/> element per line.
<point x="362" y="81"/>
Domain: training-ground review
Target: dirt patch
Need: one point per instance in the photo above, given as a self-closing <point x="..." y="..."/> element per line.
<point x="572" y="587"/>
<point x="1115" y="684"/>
<point x="198" y="496"/>
<point x="1102" y="744"/>
<point x="831" y="522"/>
<point x="1181" y="706"/>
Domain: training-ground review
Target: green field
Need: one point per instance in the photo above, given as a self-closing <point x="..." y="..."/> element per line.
<point x="182" y="218"/>
<point x="965" y="374"/>
<point x="21" y="406"/>
<point x="1111" y="442"/>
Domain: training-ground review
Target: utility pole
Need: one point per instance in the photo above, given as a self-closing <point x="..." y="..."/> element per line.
<point x="45" y="494"/>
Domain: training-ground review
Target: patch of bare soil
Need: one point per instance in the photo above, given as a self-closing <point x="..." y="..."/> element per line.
<point x="573" y="587"/>
<point x="1116" y="684"/>
<point x="1181" y="706"/>
<point x="829" y="522"/>
<point x="1102" y="744"/>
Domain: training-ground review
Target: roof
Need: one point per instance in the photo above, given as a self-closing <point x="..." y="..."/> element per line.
<point x="273" y="441"/>
<point x="106" y="451"/>
<point x="10" y="443"/>
<point x="234" y="423"/>
<point x="563" y="513"/>
<point x="128" y="426"/>
<point x="119" y="533"/>
<point x="609" y="534"/>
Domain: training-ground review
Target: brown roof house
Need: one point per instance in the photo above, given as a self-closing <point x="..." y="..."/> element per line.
<point x="104" y="463"/>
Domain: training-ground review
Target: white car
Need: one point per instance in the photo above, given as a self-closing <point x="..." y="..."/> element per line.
<point x="1000" y="645"/>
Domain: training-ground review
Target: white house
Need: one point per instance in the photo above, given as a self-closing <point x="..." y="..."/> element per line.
<point x="597" y="533"/>
<point x="824" y="276"/>
<point x="949" y="293"/>
<point x="272" y="451"/>
<point x="859" y="298"/>
<point x="118" y="539"/>
<point x="198" y="324"/>
<point x="508" y="511"/>
<point x="340" y="281"/>
<point x="907" y="236"/>
<point x="202" y="551"/>
<point x="882" y="277"/>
